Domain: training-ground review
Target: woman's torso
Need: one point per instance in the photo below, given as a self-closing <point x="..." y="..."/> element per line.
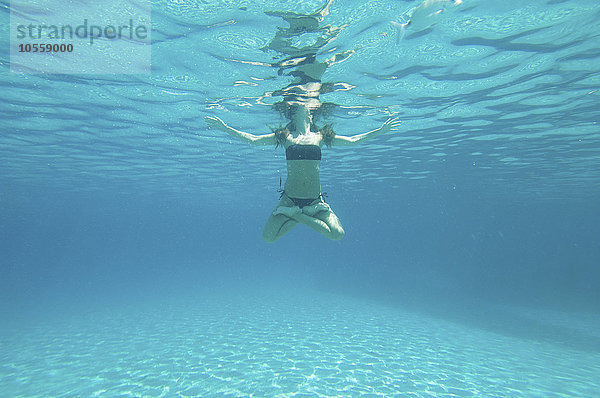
<point x="303" y="154"/>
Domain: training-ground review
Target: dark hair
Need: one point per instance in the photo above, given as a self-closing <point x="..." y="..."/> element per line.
<point x="324" y="110"/>
<point x="328" y="134"/>
<point x="281" y="135"/>
<point x="287" y="110"/>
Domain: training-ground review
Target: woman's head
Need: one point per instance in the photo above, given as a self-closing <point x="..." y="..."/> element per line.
<point x="300" y="113"/>
<point x="292" y="109"/>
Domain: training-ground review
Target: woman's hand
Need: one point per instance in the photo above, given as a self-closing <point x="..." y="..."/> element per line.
<point x="216" y="123"/>
<point x="391" y="124"/>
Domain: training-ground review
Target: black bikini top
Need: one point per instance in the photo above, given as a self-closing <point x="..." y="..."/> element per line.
<point x="303" y="152"/>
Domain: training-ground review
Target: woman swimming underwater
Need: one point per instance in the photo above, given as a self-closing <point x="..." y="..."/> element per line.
<point x="301" y="199"/>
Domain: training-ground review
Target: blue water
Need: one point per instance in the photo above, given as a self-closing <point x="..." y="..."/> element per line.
<point x="131" y="257"/>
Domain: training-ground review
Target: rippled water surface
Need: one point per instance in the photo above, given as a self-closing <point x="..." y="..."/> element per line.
<point x="496" y="97"/>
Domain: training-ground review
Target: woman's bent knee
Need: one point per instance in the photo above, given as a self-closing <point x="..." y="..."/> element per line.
<point x="337" y="234"/>
<point x="269" y="237"/>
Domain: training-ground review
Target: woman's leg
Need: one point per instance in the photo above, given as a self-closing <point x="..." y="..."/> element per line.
<point x="279" y="224"/>
<point x="319" y="217"/>
<point x="322" y="219"/>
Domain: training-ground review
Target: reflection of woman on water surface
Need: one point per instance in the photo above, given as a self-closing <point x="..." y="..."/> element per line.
<point x="301" y="200"/>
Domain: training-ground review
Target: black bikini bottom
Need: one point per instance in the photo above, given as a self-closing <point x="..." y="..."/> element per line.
<point x="302" y="202"/>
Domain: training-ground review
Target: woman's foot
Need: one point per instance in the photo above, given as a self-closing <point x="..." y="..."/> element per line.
<point x="287" y="211"/>
<point x="316" y="208"/>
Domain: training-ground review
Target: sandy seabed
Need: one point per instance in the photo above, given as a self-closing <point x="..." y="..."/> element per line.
<point x="301" y="343"/>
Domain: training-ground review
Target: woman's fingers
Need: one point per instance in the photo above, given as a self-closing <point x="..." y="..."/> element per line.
<point x="392" y="123"/>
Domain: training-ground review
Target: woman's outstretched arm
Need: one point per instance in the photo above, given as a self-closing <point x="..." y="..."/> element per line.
<point x="216" y="123"/>
<point x="389" y="125"/>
